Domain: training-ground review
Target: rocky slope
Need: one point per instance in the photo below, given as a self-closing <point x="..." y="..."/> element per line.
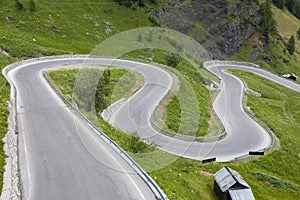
<point x="220" y="26"/>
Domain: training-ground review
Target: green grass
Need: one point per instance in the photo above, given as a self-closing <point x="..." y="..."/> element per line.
<point x="121" y="83"/>
<point x="187" y="112"/>
<point x="58" y="27"/>
<point x="65" y="79"/>
<point x="274" y="176"/>
<point x="173" y="115"/>
<point x="276" y="59"/>
<point x="287" y="24"/>
<point x="63" y="27"/>
<point x="71" y="28"/>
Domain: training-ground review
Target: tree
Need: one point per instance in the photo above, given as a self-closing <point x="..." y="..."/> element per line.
<point x="279" y="3"/>
<point x="172" y="60"/>
<point x="267" y="23"/>
<point x="85" y="88"/>
<point x="125" y="3"/>
<point x="19" y="5"/>
<point x="102" y="92"/>
<point x="297" y="10"/>
<point x="32" y="6"/>
<point x="291" y="6"/>
<point x="298" y="34"/>
<point x="291" y="45"/>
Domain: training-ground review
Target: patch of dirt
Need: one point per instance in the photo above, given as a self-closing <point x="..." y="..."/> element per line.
<point x="206" y="174"/>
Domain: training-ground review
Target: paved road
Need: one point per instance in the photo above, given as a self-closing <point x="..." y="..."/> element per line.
<point x="63" y="159"/>
<point x="60" y="156"/>
<point x="243" y="133"/>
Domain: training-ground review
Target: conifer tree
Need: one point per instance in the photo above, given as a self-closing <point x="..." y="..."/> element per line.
<point x="291" y="45"/>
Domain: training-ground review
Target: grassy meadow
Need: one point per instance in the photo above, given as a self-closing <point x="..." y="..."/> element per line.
<point x="273" y="176"/>
<point x="64" y="27"/>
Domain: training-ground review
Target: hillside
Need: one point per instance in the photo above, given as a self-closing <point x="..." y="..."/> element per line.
<point x="287" y="25"/>
<point x="63" y="27"/>
<point x="220" y="26"/>
<point x="227" y="28"/>
<point x="231" y="30"/>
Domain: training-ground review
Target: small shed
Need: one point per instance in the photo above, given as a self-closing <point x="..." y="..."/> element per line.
<point x="229" y="185"/>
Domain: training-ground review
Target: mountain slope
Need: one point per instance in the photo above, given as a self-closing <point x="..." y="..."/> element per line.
<point x="220" y="26"/>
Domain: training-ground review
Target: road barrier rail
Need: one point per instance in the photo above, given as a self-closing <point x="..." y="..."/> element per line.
<point x="209" y="64"/>
<point x="13" y="187"/>
<point x="149" y="181"/>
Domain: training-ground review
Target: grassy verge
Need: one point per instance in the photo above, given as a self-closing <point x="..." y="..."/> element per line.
<point x="4" y="97"/>
<point x="58" y="27"/>
<point x="122" y="84"/>
<point x="188" y="110"/>
<point x="274" y="176"/>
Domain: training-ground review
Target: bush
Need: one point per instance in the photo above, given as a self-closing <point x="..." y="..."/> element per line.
<point x="136" y="145"/>
<point x="172" y="60"/>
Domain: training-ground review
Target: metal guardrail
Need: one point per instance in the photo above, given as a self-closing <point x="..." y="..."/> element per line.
<point x="11" y="187"/>
<point x="259" y="121"/>
<point x="188" y="137"/>
<point x="149" y="181"/>
<point x="226" y="63"/>
<point x="195" y="138"/>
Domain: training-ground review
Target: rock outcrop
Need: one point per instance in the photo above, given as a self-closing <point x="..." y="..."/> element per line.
<point x="220" y="26"/>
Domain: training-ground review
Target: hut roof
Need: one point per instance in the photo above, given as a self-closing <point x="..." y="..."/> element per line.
<point x="227" y="177"/>
<point x="244" y="194"/>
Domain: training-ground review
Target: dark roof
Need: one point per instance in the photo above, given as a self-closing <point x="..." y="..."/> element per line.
<point x="227" y="177"/>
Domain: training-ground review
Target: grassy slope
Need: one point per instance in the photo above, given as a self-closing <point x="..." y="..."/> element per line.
<point x="57" y="27"/>
<point x="274" y="176"/>
<point x="191" y="102"/>
<point x="65" y="80"/>
<point x="180" y="180"/>
<point x="287" y="25"/>
<point x="63" y="27"/>
<point x="280" y="60"/>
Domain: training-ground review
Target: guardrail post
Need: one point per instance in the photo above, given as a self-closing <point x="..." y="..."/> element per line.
<point x="152" y="185"/>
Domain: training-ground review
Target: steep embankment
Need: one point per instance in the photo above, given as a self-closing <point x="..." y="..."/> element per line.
<point x="220" y="26"/>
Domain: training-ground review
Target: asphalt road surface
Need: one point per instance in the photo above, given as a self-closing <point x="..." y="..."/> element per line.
<point x="243" y="133"/>
<point x="60" y="156"/>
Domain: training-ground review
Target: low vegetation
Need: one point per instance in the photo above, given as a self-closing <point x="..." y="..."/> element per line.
<point x="273" y="176"/>
<point x="119" y="85"/>
<point x="56" y="27"/>
<point x="188" y="111"/>
<point x="40" y="28"/>
<point x="275" y="47"/>
<point x="37" y="28"/>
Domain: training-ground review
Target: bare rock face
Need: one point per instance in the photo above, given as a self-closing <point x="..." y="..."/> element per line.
<point x="220" y="26"/>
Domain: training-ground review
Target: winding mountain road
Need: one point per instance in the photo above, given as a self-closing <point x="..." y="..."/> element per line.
<point x="62" y="158"/>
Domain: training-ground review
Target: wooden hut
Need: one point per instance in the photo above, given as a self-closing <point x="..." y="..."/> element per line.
<point x="229" y="185"/>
